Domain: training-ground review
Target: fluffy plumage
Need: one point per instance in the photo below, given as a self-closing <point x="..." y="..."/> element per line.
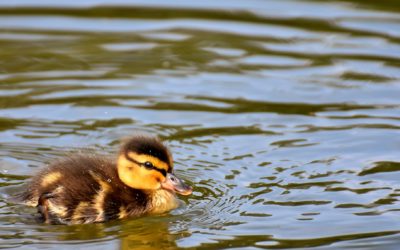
<point x="92" y="188"/>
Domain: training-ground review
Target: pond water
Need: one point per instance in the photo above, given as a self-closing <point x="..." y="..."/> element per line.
<point x="283" y="115"/>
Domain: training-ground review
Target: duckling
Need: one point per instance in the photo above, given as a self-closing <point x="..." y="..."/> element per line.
<point x="92" y="188"/>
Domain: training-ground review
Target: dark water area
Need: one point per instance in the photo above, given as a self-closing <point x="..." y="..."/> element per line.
<point x="283" y="115"/>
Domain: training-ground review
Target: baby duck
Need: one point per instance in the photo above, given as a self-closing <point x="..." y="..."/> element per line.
<point x="91" y="188"/>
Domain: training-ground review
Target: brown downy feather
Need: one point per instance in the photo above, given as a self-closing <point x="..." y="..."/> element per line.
<point x="85" y="189"/>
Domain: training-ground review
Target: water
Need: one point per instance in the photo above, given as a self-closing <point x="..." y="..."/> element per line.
<point x="283" y="115"/>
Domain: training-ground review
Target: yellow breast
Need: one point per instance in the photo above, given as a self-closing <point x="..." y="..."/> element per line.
<point x="163" y="201"/>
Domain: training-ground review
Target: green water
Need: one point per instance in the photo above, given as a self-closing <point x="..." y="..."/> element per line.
<point x="283" y="115"/>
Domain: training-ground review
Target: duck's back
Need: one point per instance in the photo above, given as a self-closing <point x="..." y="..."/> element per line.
<point x="83" y="189"/>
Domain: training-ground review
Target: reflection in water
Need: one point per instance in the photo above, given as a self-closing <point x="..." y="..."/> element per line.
<point x="153" y="235"/>
<point x="284" y="116"/>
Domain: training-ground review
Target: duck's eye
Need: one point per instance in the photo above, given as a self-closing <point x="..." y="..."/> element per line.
<point x="148" y="165"/>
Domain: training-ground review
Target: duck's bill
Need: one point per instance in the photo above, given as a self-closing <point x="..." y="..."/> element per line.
<point x="175" y="184"/>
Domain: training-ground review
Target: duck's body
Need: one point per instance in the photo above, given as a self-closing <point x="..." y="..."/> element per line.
<point x="91" y="188"/>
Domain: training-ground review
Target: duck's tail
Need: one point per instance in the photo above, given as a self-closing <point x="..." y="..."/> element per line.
<point x="25" y="198"/>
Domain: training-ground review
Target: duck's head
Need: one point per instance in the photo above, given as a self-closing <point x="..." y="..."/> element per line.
<point x="146" y="163"/>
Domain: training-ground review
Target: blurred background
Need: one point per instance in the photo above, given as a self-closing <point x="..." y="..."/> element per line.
<point x="283" y="115"/>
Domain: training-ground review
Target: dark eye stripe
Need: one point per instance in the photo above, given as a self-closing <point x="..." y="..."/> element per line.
<point x="162" y="171"/>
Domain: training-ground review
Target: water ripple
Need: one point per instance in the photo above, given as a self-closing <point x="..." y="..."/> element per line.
<point x="283" y="116"/>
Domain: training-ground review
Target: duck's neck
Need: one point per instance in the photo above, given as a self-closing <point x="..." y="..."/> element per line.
<point x="162" y="201"/>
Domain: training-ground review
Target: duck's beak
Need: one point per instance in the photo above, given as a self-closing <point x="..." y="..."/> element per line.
<point x="175" y="184"/>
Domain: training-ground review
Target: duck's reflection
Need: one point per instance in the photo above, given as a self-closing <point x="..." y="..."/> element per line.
<point x="147" y="233"/>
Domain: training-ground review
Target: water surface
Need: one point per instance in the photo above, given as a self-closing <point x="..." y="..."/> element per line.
<point x="283" y="115"/>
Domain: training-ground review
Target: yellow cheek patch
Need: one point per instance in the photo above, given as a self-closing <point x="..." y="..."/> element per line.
<point x="50" y="178"/>
<point x="136" y="176"/>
